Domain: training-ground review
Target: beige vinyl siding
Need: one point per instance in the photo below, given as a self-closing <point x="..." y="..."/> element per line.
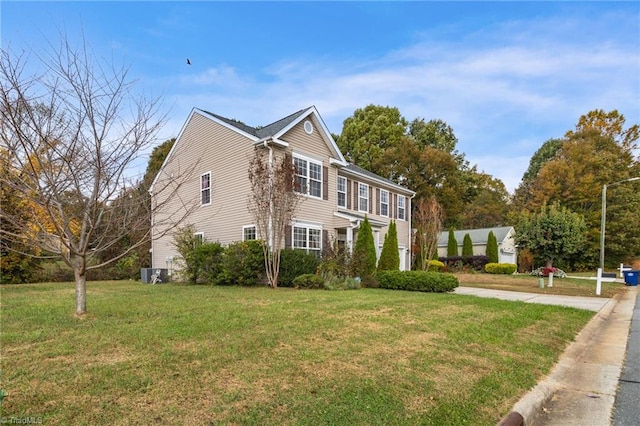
<point x="314" y="146"/>
<point x="226" y="154"/>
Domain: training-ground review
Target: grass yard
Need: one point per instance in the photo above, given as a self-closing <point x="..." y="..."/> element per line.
<point x="528" y="283"/>
<point x="169" y="354"/>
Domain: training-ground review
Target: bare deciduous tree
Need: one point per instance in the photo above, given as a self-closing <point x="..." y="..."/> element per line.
<point x="273" y="201"/>
<point x="72" y="133"/>
<point x="428" y="219"/>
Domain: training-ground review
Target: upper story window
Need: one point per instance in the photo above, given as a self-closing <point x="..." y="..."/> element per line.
<point x="308" y="239"/>
<point x="249" y="233"/>
<point x="308" y="176"/>
<point x="342" y="192"/>
<point x="402" y="207"/>
<point x="205" y="189"/>
<point x="384" y="202"/>
<point x="363" y="197"/>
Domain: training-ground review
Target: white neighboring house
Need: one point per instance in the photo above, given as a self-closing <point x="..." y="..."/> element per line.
<point x="337" y="194"/>
<point x="507" y="250"/>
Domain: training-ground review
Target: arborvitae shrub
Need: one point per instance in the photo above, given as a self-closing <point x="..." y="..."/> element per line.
<point x="467" y="246"/>
<point x="492" y="248"/>
<point x="363" y="261"/>
<point x="452" y="245"/>
<point x="390" y="257"/>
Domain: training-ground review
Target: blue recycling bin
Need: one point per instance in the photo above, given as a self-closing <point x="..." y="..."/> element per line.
<point x="631" y="277"/>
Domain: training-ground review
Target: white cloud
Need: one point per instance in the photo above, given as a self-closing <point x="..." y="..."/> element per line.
<point x="504" y="90"/>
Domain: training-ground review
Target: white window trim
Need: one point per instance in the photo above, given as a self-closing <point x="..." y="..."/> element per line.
<point x="404" y="208"/>
<point x="201" y="235"/>
<point x="309" y="160"/>
<point x="204" y="189"/>
<point x="384" y="191"/>
<point x="361" y="197"/>
<point x="247" y="227"/>
<point x="341" y="192"/>
<point x="307" y="227"/>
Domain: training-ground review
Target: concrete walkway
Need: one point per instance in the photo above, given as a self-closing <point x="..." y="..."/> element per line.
<point x="626" y="411"/>
<point x="581" y="388"/>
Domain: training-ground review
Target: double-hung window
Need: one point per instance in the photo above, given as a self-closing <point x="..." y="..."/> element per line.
<point x="363" y="197"/>
<point x="249" y="233"/>
<point x="205" y="189"/>
<point x="308" y="239"/>
<point x="308" y="176"/>
<point x="384" y="202"/>
<point x="342" y="192"/>
<point x="401" y="207"/>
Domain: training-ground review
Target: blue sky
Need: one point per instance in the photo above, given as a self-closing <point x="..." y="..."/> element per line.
<point x="507" y="76"/>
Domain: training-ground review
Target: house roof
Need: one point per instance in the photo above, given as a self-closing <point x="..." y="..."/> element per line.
<point x="478" y="236"/>
<point x="351" y="168"/>
<point x="259" y="132"/>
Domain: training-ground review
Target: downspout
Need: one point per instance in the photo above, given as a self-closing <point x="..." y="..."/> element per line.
<point x="270" y="236"/>
<point x="411" y="232"/>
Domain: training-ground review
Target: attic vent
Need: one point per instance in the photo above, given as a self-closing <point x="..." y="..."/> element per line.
<point x="308" y="127"/>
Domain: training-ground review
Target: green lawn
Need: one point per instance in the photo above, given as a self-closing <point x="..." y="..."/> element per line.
<point x="169" y="354"/>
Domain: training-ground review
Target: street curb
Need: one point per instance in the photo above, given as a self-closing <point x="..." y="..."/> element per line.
<point x="526" y="410"/>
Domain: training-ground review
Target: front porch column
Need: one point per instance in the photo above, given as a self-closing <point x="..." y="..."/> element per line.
<point x="349" y="239"/>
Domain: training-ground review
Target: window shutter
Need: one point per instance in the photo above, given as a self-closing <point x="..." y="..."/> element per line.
<point x="326" y="244"/>
<point x="370" y="199"/>
<point x="325" y="183"/>
<point x="395" y="206"/>
<point x="377" y="201"/>
<point x="348" y="193"/>
<point x="287" y="236"/>
<point x="355" y="195"/>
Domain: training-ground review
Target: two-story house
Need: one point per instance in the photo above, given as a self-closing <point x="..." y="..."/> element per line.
<point x="337" y="194"/>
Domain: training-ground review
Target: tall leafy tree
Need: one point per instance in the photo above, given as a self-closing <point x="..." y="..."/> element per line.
<point x="553" y="234"/>
<point x="492" y="247"/>
<point x="490" y="206"/>
<point x="601" y="150"/>
<point x="452" y="244"/>
<point x="467" y="246"/>
<point x="369" y="134"/>
<point x="390" y="257"/>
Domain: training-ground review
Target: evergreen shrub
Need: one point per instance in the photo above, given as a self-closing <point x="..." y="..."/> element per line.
<point x="242" y="264"/>
<point x="500" y="268"/>
<point x="434" y="282"/>
<point x="295" y="262"/>
<point x="310" y="281"/>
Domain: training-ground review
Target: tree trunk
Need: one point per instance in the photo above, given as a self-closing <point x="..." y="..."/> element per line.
<point x="80" y="274"/>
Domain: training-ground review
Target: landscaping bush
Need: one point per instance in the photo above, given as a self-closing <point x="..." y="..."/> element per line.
<point x="434" y="282"/>
<point x="210" y="257"/>
<point x="346" y="283"/>
<point x="459" y="263"/>
<point x="242" y="264"/>
<point x="544" y="271"/>
<point x="308" y="281"/>
<point x="435" y="265"/>
<point x="294" y="263"/>
<point x="500" y="268"/>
